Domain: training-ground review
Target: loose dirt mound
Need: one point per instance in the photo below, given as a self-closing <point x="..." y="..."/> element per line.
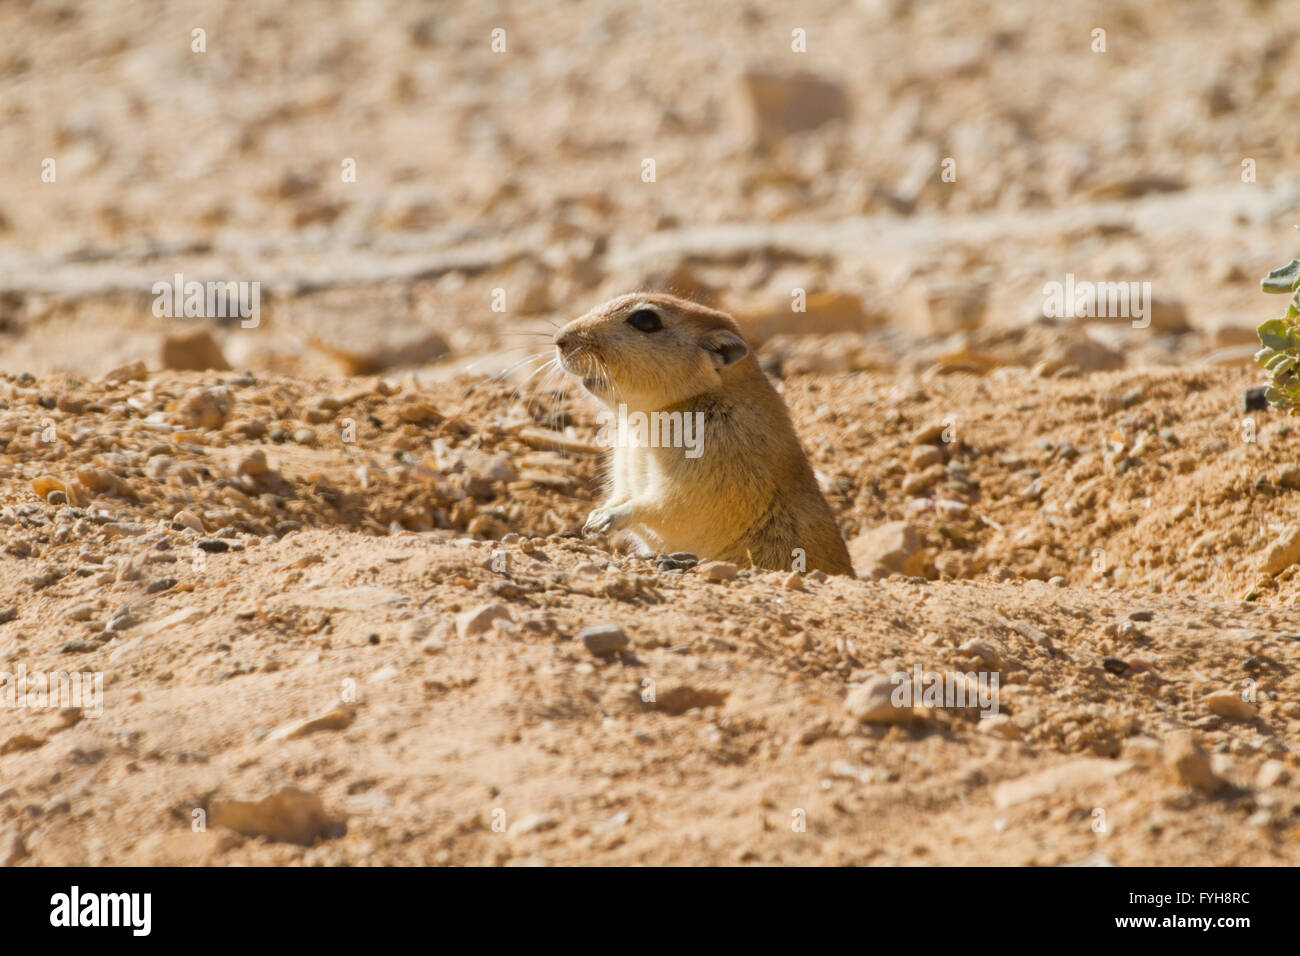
<point x="327" y="639"/>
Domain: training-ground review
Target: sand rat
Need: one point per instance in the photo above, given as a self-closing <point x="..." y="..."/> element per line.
<point x="704" y="458"/>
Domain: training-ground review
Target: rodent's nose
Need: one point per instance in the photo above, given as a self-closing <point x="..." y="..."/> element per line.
<point x="563" y="339"/>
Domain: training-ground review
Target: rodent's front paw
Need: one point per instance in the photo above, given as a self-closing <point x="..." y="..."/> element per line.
<point x="601" y="521"/>
<point x="598" y="522"/>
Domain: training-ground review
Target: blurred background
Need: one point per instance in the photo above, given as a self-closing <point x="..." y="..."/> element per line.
<point x="792" y="148"/>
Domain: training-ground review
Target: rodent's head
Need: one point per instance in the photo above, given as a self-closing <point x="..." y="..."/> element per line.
<point x="649" y="350"/>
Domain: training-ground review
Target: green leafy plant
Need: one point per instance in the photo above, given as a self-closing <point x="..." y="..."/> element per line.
<point x="1280" y="355"/>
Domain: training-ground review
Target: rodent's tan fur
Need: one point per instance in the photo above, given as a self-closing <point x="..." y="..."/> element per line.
<point x="750" y="497"/>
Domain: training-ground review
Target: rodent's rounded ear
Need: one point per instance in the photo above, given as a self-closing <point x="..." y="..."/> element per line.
<point x="724" y="347"/>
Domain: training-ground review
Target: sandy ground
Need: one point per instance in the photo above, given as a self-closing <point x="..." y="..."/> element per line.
<point x="326" y="566"/>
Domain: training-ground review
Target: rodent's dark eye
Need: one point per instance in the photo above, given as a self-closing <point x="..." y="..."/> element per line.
<point x="645" y="320"/>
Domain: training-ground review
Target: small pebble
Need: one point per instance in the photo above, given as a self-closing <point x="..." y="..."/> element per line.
<point x="1227" y="703"/>
<point x="719" y="570"/>
<point x="987" y="652"/>
<point x="121" y="620"/>
<point x="79" y="612"/>
<point x="1115" y="665"/>
<point x="923" y="456"/>
<point x="189" y="520"/>
<point x="253" y="464"/>
<point x="1272" y="773"/>
<point x="604" y="639"/>
<point x="1190" y="764"/>
<point x="479" y="620"/>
